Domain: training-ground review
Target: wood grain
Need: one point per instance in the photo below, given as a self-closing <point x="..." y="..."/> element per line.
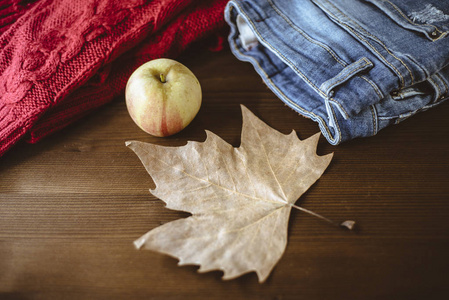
<point x="71" y="206"/>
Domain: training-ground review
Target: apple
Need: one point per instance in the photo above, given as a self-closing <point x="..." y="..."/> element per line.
<point x="163" y="96"/>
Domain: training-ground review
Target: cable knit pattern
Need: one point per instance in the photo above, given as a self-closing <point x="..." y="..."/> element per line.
<point x="63" y="58"/>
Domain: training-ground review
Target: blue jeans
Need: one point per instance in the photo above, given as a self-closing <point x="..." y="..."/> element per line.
<point x="355" y="67"/>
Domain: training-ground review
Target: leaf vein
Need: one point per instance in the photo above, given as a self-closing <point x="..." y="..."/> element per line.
<point x="268" y="162"/>
<point x="210" y="182"/>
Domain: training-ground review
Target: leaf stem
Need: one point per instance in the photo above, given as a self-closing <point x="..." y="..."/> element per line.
<point x="347" y="224"/>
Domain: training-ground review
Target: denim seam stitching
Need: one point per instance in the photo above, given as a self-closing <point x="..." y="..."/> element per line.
<point x="375" y="87"/>
<point x="306" y="112"/>
<point x="444" y="83"/>
<point x="426" y="107"/>
<point x="438" y="87"/>
<point x="296" y="105"/>
<point x="372" y="47"/>
<point x="285" y="96"/>
<point x="440" y="92"/>
<point x="380" y="42"/>
<point x="376" y="39"/>
<point x="291" y="64"/>
<point x="330" y="51"/>
<point x="443" y="33"/>
<point x="335" y="56"/>
<point x="300" y="31"/>
<point x="375" y="50"/>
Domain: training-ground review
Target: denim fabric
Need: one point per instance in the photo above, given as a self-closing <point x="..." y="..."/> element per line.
<point x="355" y="67"/>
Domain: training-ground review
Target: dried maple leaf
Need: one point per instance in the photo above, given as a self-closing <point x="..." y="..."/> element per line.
<point x="240" y="198"/>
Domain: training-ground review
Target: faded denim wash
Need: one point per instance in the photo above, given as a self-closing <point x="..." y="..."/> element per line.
<point x="355" y="67"/>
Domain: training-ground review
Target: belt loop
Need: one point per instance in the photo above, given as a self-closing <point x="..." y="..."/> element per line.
<point x="348" y="72"/>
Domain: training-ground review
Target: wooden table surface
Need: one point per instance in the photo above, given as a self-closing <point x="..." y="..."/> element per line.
<point x="71" y="206"/>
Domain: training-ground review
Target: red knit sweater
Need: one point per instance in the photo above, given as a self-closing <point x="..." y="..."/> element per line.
<point x="61" y="59"/>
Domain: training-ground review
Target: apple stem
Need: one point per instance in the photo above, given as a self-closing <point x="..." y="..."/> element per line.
<point x="162" y="77"/>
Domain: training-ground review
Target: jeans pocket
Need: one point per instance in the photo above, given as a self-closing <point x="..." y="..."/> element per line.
<point x="428" y="17"/>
